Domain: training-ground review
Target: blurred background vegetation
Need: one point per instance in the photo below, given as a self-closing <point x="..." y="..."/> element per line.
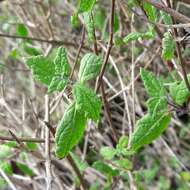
<point x="33" y="27"/>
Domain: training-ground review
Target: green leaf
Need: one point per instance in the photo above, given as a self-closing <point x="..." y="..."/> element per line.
<point x="133" y="36"/>
<point x="6" y="167"/>
<point x="69" y="130"/>
<point x="42" y="68"/>
<point x="74" y="20"/>
<point x="90" y="67"/>
<point x="89" y="25"/>
<point x="166" y="18"/>
<point x="150" y="11"/>
<point x="132" y="3"/>
<point x="10" y="144"/>
<point x="157" y="105"/>
<point x="30" y="50"/>
<point x="62" y="71"/>
<point x="54" y="75"/>
<point x="116" y="23"/>
<point x="99" y="18"/>
<point x="168" y="46"/>
<point x="105" y="169"/>
<point x="21" y="30"/>
<point x="57" y="84"/>
<point x="86" y="5"/>
<point x="123" y="142"/>
<point x="118" y="41"/>
<point x="25" y="169"/>
<point x="31" y="146"/>
<point x="185" y="176"/>
<point x="153" y="86"/>
<point x="62" y="66"/>
<point x="123" y="163"/>
<point x="87" y="101"/>
<point x="148" y="129"/>
<point x="179" y="92"/>
<point x="107" y="152"/>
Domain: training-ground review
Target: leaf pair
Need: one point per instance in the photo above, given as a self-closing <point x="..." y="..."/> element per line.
<point x="72" y="125"/>
<point x="86" y="105"/>
<point x="157" y="119"/>
<point x="54" y="74"/>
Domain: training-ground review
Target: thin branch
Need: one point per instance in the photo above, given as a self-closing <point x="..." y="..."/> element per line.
<point x="104" y="98"/>
<point x="133" y="72"/>
<point x="77" y="171"/>
<point x="178" y="16"/>
<point x="108" y="113"/>
<point x="110" y="44"/>
<point x="53" y="42"/>
<point x="47" y="146"/>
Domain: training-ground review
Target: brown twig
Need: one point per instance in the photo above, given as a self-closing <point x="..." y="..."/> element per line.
<point x="178" y="16"/>
<point x="110" y="44"/>
<point x="107" y="110"/>
<point x="104" y="98"/>
<point x="77" y="171"/>
<point x="47" y="147"/>
<point x="53" y="42"/>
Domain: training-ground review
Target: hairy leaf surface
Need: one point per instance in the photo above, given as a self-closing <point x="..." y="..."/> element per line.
<point x="57" y="84"/>
<point x="42" y="68"/>
<point x="69" y="130"/>
<point x="87" y="101"/>
<point x="150" y="11"/>
<point x="54" y="75"/>
<point x="168" y="46"/>
<point x="166" y="18"/>
<point x="62" y="66"/>
<point x="89" y="24"/>
<point x="138" y="35"/>
<point x="156" y="105"/>
<point x="153" y="86"/>
<point x="86" y="5"/>
<point x="179" y="92"/>
<point x="148" y="129"/>
<point x="90" y="67"/>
